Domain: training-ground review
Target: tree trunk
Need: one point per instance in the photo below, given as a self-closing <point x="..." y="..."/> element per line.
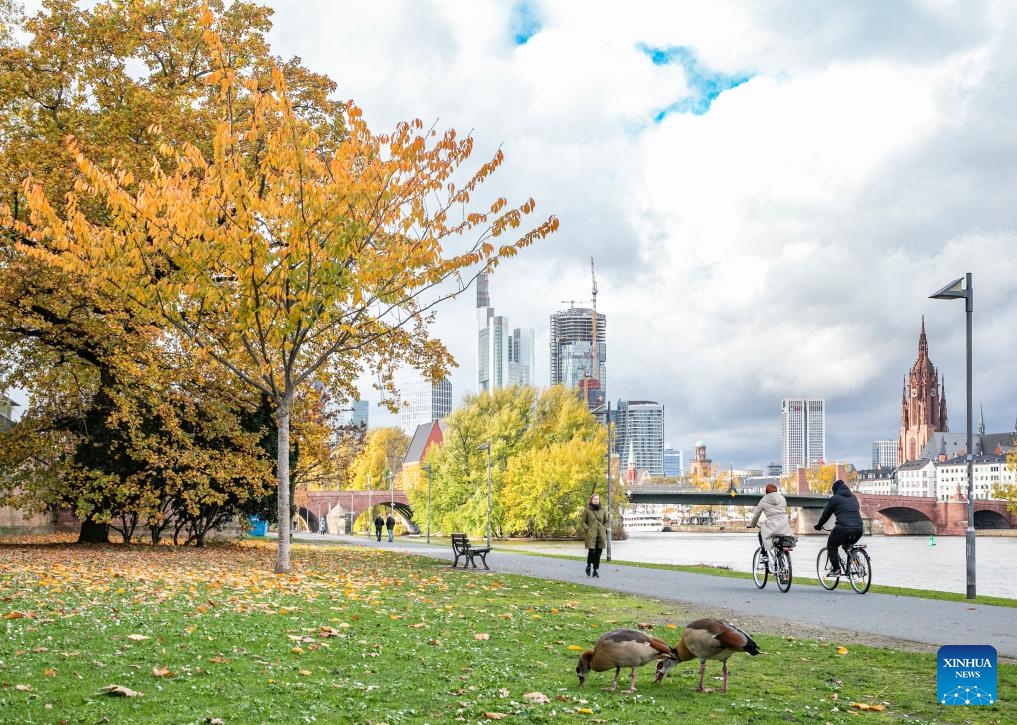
<point x="93" y="533"/>
<point x="282" y="562"/>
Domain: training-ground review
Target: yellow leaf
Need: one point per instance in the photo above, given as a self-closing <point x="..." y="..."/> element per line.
<point x="161" y="671"/>
<point x="49" y="672"/>
<point x="842" y="650"/>
<point x="305" y="673"/>
<point x="15" y="615"/>
<point x="575" y="648"/>
<point x="584" y="710"/>
<point x="671" y="625"/>
<point x="297" y="650"/>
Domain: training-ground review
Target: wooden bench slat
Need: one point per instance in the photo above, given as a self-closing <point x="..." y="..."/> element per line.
<point x="461" y="548"/>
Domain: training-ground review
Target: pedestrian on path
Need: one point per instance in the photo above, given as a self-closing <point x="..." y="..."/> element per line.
<point x="595" y="525"/>
<point x="379" y="523"/>
<point x="390" y="525"/>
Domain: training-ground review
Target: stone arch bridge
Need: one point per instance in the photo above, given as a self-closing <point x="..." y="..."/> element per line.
<point x="896" y="514"/>
<point x="339" y="509"/>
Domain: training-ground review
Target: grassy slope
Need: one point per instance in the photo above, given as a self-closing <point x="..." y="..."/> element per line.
<point x="365" y="636"/>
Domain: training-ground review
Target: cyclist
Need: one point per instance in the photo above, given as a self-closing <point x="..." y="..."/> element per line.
<point x="773" y="507"/>
<point x="847" y="528"/>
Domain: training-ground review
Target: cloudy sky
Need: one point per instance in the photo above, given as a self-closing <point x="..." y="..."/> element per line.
<point x="770" y="191"/>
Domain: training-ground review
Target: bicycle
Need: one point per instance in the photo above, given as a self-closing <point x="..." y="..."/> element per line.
<point x="779" y="564"/>
<point x="857" y="563"/>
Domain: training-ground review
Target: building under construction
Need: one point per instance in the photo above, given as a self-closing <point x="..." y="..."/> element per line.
<point x="572" y="361"/>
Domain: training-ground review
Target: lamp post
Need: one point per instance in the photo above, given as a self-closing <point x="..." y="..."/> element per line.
<point x="954" y="291"/>
<point x="427" y="467"/>
<point x="487" y="447"/>
<point x="391" y="493"/>
<point x="606" y="409"/>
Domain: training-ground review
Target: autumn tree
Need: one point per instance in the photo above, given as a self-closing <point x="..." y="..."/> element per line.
<point x="277" y="256"/>
<point x="547" y="457"/>
<point x="383" y="453"/>
<point x="105" y="75"/>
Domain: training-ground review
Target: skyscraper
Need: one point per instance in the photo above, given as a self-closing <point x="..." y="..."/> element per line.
<point x="571" y="350"/>
<point x="425" y="402"/>
<point x="674" y="463"/>
<point x="884" y="454"/>
<point x="504" y="355"/>
<point x="640" y="433"/>
<point x="802" y="433"/>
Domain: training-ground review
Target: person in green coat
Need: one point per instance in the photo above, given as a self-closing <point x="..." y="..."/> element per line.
<point x="595" y="525"/>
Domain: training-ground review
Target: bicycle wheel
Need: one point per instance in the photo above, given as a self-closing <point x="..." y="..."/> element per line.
<point x="759" y="570"/>
<point x="860" y="570"/>
<point x="783" y="574"/>
<point x="823" y="571"/>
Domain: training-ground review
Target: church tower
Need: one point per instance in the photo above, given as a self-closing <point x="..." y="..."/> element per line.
<point x="923" y="404"/>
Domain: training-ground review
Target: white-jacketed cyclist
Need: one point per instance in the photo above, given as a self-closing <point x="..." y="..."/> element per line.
<point x="773" y="507"/>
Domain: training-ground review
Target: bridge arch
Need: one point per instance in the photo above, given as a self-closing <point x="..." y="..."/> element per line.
<point x="989" y="519"/>
<point x="905" y="520"/>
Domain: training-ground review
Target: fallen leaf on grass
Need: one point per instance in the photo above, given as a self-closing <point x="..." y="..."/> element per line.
<point x="584" y="710"/>
<point x="16" y="615"/>
<point x="575" y="648"/>
<point x="215" y="721"/>
<point x="864" y="706"/>
<point x="137" y="637"/>
<point x="646" y="625"/>
<point x="119" y="691"/>
<point x="536" y="697"/>
<point x="842" y="650"/>
<point x="161" y="671"/>
<point x="24" y="688"/>
<point x="482" y="636"/>
<point x="305" y="673"/>
<point x="495" y="715"/>
<point x="671" y="625"/>
<point x="49" y="672"/>
<point x="419" y="625"/>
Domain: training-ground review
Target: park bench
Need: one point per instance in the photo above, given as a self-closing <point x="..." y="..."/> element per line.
<point x="462" y="549"/>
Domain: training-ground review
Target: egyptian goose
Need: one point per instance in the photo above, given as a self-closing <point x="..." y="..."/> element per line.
<point x="622" y="648"/>
<point x="708" y="639"/>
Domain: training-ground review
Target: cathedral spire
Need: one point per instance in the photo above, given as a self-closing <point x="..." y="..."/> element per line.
<point x="923" y="342"/>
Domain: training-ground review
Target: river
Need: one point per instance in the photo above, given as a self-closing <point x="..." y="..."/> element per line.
<point x="903" y="561"/>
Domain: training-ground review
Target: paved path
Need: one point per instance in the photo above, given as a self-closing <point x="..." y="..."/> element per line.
<point x="928" y="621"/>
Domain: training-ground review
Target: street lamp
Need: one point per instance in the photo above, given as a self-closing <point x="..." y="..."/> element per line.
<point x="954" y="291"/>
<point x="427" y="467"/>
<point x="487" y="447"/>
<point x="391" y="493"/>
<point x="606" y="408"/>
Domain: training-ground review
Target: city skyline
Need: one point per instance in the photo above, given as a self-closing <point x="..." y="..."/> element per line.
<point x="771" y="193"/>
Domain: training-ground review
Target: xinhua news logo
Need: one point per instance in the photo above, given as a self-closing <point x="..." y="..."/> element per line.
<point x="966" y="674"/>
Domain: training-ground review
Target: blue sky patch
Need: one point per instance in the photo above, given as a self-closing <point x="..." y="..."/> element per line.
<point x="704" y="85"/>
<point x="525" y="22"/>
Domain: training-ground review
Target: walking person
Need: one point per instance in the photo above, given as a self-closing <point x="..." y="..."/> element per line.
<point x="595" y="539"/>
<point x="847" y="527"/>
<point x="379" y="524"/>
<point x="390" y="525"/>
<point x="773" y="508"/>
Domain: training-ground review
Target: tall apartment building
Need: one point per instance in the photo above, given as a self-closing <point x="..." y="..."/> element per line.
<point x="802" y="433"/>
<point x="922" y="406"/>
<point x="425" y="402"/>
<point x="674" y="462"/>
<point x="505" y="356"/>
<point x="356" y="413"/>
<point x="639" y="426"/>
<point x="572" y="348"/>
<point x="884" y="454"/>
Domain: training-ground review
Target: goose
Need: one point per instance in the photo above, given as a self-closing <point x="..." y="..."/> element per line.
<point x="708" y="639"/>
<point x="622" y="648"/>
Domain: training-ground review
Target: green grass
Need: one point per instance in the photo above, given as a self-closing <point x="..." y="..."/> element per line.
<point x="364" y="636"/>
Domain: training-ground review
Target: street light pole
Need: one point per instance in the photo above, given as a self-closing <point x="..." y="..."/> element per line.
<point x="953" y="291"/>
<point x="487" y="447"/>
<point x="607" y="422"/>
<point x="427" y="467"/>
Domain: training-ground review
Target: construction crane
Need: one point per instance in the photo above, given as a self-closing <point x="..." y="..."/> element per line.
<point x="595" y="373"/>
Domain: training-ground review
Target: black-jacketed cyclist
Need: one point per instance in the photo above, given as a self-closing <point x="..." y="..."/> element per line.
<point x="847" y="528"/>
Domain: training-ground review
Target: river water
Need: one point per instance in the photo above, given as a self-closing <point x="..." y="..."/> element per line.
<point x="903" y="561"/>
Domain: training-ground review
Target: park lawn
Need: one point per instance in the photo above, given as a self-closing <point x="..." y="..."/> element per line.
<point x="354" y="635"/>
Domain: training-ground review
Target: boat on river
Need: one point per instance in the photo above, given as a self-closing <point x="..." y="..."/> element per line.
<point x="633" y="521"/>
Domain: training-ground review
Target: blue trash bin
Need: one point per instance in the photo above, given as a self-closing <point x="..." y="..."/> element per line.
<point x="259" y="527"/>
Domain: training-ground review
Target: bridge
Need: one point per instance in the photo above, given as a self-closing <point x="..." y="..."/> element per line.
<point x="340" y="509"/>
<point x="897" y="514"/>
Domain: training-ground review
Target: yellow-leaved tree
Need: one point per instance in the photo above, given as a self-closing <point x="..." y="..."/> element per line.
<point x="280" y="258"/>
